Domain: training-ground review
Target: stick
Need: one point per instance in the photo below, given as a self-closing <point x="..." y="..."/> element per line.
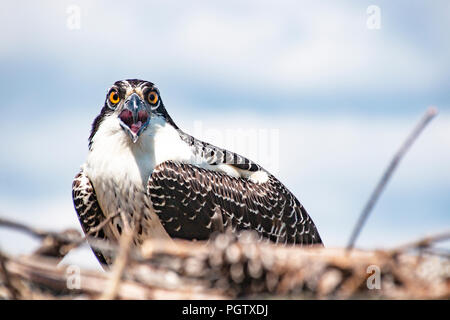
<point x="7" y="279"/>
<point x="126" y="242"/>
<point x="91" y="232"/>
<point x="428" y="116"/>
<point x="68" y="238"/>
<point x="424" y="242"/>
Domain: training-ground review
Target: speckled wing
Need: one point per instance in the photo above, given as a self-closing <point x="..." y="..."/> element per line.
<point x="89" y="212"/>
<point x="215" y="155"/>
<point x="193" y="203"/>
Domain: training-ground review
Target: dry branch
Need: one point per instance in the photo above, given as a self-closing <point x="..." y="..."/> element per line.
<point x="427" y="117"/>
<point x="122" y="259"/>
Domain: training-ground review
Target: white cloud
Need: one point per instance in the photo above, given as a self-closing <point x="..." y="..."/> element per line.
<point x="288" y="45"/>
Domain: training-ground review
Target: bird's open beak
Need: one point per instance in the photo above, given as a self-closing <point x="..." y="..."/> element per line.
<point x="134" y="117"/>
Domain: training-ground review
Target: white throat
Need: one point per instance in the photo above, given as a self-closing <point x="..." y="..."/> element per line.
<point x="114" y="155"/>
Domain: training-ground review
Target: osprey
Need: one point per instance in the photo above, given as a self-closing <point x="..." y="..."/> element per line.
<point x="141" y="163"/>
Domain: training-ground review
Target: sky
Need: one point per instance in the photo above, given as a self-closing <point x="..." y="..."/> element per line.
<point x="315" y="92"/>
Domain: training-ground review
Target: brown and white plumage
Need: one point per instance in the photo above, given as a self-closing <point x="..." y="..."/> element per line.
<point x="190" y="200"/>
<point x="140" y="162"/>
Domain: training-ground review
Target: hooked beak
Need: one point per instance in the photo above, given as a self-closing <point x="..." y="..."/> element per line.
<point x="134" y="117"/>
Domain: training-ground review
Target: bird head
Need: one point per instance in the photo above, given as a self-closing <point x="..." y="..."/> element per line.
<point x="134" y="102"/>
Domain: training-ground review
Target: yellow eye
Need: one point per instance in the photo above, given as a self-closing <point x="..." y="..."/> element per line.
<point x="152" y="97"/>
<point x="114" y="97"/>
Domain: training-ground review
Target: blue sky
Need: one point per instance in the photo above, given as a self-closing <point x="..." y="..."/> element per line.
<point x="340" y="97"/>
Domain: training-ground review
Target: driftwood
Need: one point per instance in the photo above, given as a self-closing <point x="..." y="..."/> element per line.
<point x="230" y="266"/>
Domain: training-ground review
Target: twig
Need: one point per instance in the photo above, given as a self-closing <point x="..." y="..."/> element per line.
<point x="99" y="227"/>
<point x="424" y="242"/>
<point x="126" y="241"/>
<point x="7" y="278"/>
<point x="91" y="232"/>
<point x="428" y="116"/>
<point x="118" y="267"/>
<point x="41" y="234"/>
<point x="57" y="248"/>
<point x="61" y="236"/>
<point x="443" y="253"/>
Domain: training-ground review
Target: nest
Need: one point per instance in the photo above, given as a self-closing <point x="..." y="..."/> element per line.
<point x="229" y="267"/>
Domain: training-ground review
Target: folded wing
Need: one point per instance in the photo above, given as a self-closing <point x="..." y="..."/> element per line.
<point x="193" y="202"/>
<point x="89" y="212"/>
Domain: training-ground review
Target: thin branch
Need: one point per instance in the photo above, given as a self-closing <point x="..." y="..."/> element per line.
<point x="99" y="227"/>
<point x="87" y="236"/>
<point x="126" y="242"/>
<point x="439" y="252"/>
<point x="60" y="236"/>
<point x="428" y="116"/>
<point x="35" y="232"/>
<point x="7" y="278"/>
<point x="69" y="238"/>
<point x="423" y="243"/>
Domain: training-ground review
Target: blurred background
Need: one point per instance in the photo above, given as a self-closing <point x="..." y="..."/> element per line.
<point x="321" y="95"/>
